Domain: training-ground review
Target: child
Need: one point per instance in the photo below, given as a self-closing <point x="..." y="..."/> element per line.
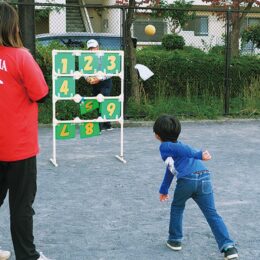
<point x="193" y="181"/>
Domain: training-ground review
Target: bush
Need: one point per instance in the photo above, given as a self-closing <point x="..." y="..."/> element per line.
<point x="252" y="33"/>
<point x="190" y="73"/>
<point x="186" y="81"/>
<point x="173" y="42"/>
<point x="218" y="50"/>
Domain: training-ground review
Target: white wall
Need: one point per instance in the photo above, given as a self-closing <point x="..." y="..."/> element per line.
<point x="215" y="30"/>
<point x="57" y="19"/>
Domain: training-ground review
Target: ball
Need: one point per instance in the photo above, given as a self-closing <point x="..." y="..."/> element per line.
<point x="149" y="30"/>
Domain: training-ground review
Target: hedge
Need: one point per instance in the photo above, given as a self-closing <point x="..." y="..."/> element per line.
<point x="183" y="73"/>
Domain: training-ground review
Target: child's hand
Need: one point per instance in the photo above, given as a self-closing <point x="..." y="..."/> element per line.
<point x="206" y="156"/>
<point x="164" y="197"/>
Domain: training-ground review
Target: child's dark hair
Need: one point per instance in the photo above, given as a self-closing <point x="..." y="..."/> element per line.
<point x="167" y="128"/>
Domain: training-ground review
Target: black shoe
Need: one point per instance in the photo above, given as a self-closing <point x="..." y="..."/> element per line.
<point x="174" y="245"/>
<point x="230" y="253"/>
<point x="109" y="128"/>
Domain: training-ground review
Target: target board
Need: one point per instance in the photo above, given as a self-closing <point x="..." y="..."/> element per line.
<point x="70" y="66"/>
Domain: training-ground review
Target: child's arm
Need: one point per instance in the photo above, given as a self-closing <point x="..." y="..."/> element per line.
<point x="166" y="183"/>
<point x="174" y="150"/>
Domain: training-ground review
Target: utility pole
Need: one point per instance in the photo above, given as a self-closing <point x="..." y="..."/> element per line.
<point x="26" y="11"/>
<point x="227" y="80"/>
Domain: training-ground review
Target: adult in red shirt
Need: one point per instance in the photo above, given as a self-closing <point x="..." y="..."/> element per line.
<point x="22" y="85"/>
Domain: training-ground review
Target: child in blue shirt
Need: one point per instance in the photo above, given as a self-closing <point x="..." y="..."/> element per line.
<point x="193" y="181"/>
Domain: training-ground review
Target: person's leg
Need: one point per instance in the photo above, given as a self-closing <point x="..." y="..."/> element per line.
<point x="183" y="191"/>
<point x="97" y="90"/>
<point x="3" y="182"/>
<point x="21" y="178"/>
<point x="3" y="191"/>
<point x="105" y="90"/>
<point x="205" y="200"/>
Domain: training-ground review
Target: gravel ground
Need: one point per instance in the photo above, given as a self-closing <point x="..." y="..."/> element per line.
<point x="94" y="207"/>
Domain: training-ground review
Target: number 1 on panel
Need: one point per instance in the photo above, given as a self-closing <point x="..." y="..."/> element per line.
<point x="64" y="65"/>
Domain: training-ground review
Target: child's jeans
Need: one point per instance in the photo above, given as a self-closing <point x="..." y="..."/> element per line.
<point x="198" y="187"/>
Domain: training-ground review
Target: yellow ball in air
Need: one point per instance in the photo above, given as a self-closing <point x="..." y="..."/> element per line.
<point x="149" y="30"/>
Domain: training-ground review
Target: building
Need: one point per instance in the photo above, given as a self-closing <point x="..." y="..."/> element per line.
<point x="204" y="31"/>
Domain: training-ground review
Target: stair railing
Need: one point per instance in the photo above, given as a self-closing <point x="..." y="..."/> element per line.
<point x="85" y="17"/>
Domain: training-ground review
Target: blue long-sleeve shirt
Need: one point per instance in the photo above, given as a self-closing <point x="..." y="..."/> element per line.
<point x="186" y="161"/>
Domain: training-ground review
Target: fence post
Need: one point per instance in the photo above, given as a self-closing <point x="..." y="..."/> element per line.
<point x="227" y="79"/>
<point x="26" y="9"/>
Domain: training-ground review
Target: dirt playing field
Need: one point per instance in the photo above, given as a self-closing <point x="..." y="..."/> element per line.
<point x="94" y="207"/>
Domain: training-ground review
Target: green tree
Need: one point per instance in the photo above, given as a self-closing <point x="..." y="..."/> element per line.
<point x="130" y="51"/>
<point x="252" y="33"/>
<point x="176" y="14"/>
<point x="237" y="17"/>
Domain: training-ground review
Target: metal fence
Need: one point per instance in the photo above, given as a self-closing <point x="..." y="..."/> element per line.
<point x="207" y="29"/>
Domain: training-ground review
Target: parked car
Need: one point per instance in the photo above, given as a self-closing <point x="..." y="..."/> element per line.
<point x="106" y="41"/>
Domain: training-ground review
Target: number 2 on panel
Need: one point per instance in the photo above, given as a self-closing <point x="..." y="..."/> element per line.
<point x="89" y="128"/>
<point x="89" y="60"/>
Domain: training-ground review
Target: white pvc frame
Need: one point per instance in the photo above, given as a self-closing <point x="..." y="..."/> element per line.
<point x="77" y="98"/>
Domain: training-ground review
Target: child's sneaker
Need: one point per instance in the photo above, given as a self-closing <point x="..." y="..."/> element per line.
<point x="174" y="245"/>
<point x="231" y="253"/>
<point x="4" y="255"/>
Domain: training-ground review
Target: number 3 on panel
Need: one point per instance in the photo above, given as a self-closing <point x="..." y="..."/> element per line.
<point x="112" y="61"/>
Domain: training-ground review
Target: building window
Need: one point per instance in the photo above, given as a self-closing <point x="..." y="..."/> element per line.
<point x="139" y="26"/>
<point x="249" y="21"/>
<point x="199" y="25"/>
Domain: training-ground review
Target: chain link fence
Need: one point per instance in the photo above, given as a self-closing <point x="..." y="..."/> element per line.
<point x="206" y="30"/>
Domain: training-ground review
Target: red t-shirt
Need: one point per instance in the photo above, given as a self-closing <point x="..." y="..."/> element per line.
<point x="21" y="84"/>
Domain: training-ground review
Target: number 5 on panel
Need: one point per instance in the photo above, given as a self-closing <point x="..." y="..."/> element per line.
<point x="65" y="131"/>
<point x="89" y="130"/>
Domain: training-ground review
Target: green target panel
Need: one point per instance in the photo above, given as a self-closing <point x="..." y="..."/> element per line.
<point x="64" y="87"/>
<point x="88" y="105"/>
<point x="111" y="63"/>
<point x="89" y="63"/>
<point x="64" y="63"/>
<point x="65" y="131"/>
<point x="89" y="130"/>
<point x="110" y="109"/>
